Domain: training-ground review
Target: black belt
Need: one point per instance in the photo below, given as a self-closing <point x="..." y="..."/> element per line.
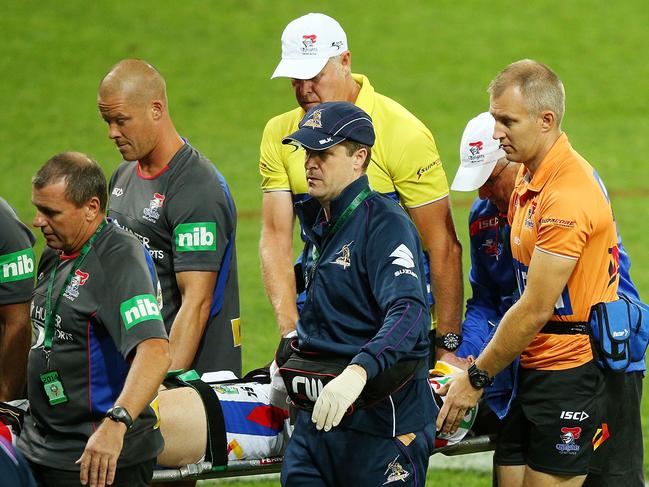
<point x="217" y="442"/>
<point x="566" y="328"/>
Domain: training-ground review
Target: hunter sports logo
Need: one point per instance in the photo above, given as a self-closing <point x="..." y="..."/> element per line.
<point x="194" y="237"/>
<point x="395" y="472"/>
<point x="308" y="45"/>
<point x="568" y="437"/>
<point x="337" y="44"/>
<point x="17" y="266"/>
<point x="344" y="260"/>
<point x="79" y="279"/>
<point x="151" y="213"/>
<point x="315" y="120"/>
<point x="142" y="307"/>
<point x="614" y="264"/>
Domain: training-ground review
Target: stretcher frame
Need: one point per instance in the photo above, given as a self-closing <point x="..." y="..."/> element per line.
<point x="271" y="465"/>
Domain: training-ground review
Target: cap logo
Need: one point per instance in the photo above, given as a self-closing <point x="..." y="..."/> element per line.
<point x="308" y="42"/>
<point x="315" y="120"/>
<point x="337" y="44"/>
<point x="475" y="147"/>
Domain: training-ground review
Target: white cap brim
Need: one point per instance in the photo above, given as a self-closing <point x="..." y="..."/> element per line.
<point x="471" y="178"/>
<point x="299" y="68"/>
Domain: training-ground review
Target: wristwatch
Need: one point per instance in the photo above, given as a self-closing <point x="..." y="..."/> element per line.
<point x="120" y="414"/>
<point x="451" y="341"/>
<point x="479" y="378"/>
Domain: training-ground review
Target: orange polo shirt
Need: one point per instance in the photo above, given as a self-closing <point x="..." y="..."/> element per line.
<point x="563" y="211"/>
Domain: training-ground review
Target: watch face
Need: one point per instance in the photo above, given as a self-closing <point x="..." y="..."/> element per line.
<point x="118" y="412"/>
<point x="451" y="341"/>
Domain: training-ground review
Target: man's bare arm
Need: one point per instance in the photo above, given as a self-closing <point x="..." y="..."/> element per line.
<point x="98" y="462"/>
<point x="15" y="338"/>
<point x="276" y="253"/>
<point x="196" y="290"/>
<point x="547" y="277"/>
<point x="435" y="224"/>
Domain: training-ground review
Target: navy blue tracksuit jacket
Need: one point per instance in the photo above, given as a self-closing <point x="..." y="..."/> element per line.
<point x="366" y="299"/>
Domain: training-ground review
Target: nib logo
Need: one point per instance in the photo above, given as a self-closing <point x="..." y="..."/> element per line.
<point x="198" y="236"/>
<point x="139" y="308"/>
<point x="17" y="266"/>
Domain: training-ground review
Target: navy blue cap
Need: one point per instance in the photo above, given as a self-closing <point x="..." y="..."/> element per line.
<point x="330" y="123"/>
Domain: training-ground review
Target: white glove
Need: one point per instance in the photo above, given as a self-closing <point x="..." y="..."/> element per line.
<point x="337" y="396"/>
<point x="278" y="395"/>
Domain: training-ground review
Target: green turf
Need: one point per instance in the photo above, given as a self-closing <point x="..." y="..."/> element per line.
<point x="436" y="58"/>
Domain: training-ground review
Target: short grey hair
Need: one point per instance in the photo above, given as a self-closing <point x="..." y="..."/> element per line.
<point x="540" y="86"/>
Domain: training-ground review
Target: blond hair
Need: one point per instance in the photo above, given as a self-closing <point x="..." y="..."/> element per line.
<point x="540" y="86"/>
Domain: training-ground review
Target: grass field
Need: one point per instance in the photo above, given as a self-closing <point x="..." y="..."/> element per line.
<point x="436" y="58"/>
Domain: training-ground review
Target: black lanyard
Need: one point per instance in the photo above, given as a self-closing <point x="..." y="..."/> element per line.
<point x="50" y="312"/>
<point x="362" y="196"/>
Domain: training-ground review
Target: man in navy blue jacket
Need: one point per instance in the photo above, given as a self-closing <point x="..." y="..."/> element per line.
<point x="366" y="301"/>
<point x="618" y="459"/>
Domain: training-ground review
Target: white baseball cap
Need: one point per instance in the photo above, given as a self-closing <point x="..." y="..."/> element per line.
<point x="307" y="44"/>
<point x="479" y="153"/>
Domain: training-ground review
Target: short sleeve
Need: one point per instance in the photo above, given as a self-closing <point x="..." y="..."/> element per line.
<point x="419" y="176"/>
<point x="201" y="215"/>
<point x="273" y="173"/>
<point x="17" y="260"/>
<point x="563" y="225"/>
<point x="129" y="310"/>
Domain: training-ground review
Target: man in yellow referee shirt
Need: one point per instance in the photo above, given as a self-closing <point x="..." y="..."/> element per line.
<point x="405" y="165"/>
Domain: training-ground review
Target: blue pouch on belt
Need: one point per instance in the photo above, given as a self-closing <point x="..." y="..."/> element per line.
<point x="620" y="331"/>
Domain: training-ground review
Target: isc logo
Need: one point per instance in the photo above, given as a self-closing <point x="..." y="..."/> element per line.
<point x="17" y="265"/>
<point x="574" y="415"/>
<point x="138" y="309"/>
<point x="312" y="387"/>
<point x="195" y="236"/>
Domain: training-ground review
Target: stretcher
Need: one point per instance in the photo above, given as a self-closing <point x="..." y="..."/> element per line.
<point x="270" y="465"/>
<point x="464" y="442"/>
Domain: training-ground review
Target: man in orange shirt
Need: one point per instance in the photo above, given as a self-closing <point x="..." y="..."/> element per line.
<point x="564" y="245"/>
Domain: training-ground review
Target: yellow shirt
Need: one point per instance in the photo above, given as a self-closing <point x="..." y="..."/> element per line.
<point x="405" y="163"/>
<point x="564" y="211"/>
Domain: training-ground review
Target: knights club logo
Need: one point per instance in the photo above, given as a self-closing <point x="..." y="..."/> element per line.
<point x="309" y="39"/>
<point x="315" y="120"/>
<point x="475" y="147"/>
<point x="79" y="279"/>
<point x="569" y="437"/>
<point x="151" y="212"/>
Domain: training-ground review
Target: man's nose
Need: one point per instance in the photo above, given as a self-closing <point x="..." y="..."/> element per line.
<point x="38" y="221"/>
<point x="498" y="134"/>
<point x="113" y="131"/>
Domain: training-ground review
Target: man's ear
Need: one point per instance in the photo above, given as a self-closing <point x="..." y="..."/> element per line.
<point x="157" y="109"/>
<point x="359" y="158"/>
<point x="93" y="207"/>
<point x="548" y="120"/>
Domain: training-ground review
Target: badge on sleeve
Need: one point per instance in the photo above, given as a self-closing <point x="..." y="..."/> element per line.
<point x="53" y="387"/>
